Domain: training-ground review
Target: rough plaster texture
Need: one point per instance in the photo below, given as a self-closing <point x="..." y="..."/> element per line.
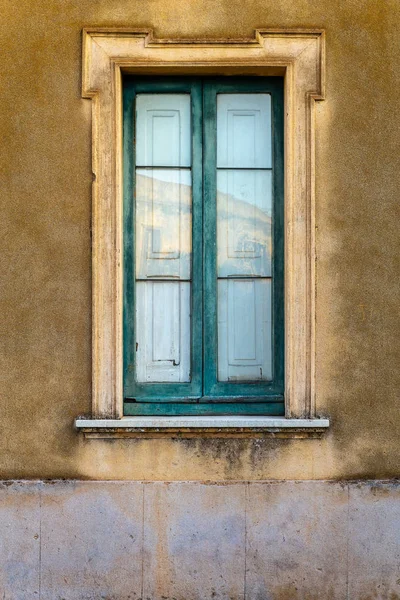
<point x="45" y="256"/>
<point x="194" y="541"/>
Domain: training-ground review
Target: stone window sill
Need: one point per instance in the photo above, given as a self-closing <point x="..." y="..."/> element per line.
<point x="218" y="426"/>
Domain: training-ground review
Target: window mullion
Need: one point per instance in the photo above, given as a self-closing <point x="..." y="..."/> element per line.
<point x="210" y="236"/>
<point x="197" y="238"/>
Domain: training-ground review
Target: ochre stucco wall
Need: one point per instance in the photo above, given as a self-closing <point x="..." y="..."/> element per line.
<point x="45" y="256"/>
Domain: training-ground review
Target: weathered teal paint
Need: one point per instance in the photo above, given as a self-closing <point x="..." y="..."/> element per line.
<point x="204" y="394"/>
<point x="128" y="236"/>
<point x="202" y="408"/>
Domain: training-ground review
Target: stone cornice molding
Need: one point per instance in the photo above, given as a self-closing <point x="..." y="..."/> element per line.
<point x="296" y="54"/>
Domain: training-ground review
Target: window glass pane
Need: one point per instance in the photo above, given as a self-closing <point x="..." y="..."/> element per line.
<point x="163" y="223"/>
<point x="244" y="130"/>
<point x="163" y="331"/>
<point x="244" y="237"/>
<point x="244" y="220"/>
<point x="244" y="330"/>
<point x="163" y="135"/>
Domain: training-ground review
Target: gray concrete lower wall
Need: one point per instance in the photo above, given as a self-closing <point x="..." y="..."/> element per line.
<point x="69" y="540"/>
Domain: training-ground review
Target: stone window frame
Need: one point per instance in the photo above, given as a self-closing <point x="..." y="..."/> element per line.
<point x="299" y="56"/>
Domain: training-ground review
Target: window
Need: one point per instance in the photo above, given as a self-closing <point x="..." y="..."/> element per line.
<point x="109" y="56"/>
<point x="203" y="246"/>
